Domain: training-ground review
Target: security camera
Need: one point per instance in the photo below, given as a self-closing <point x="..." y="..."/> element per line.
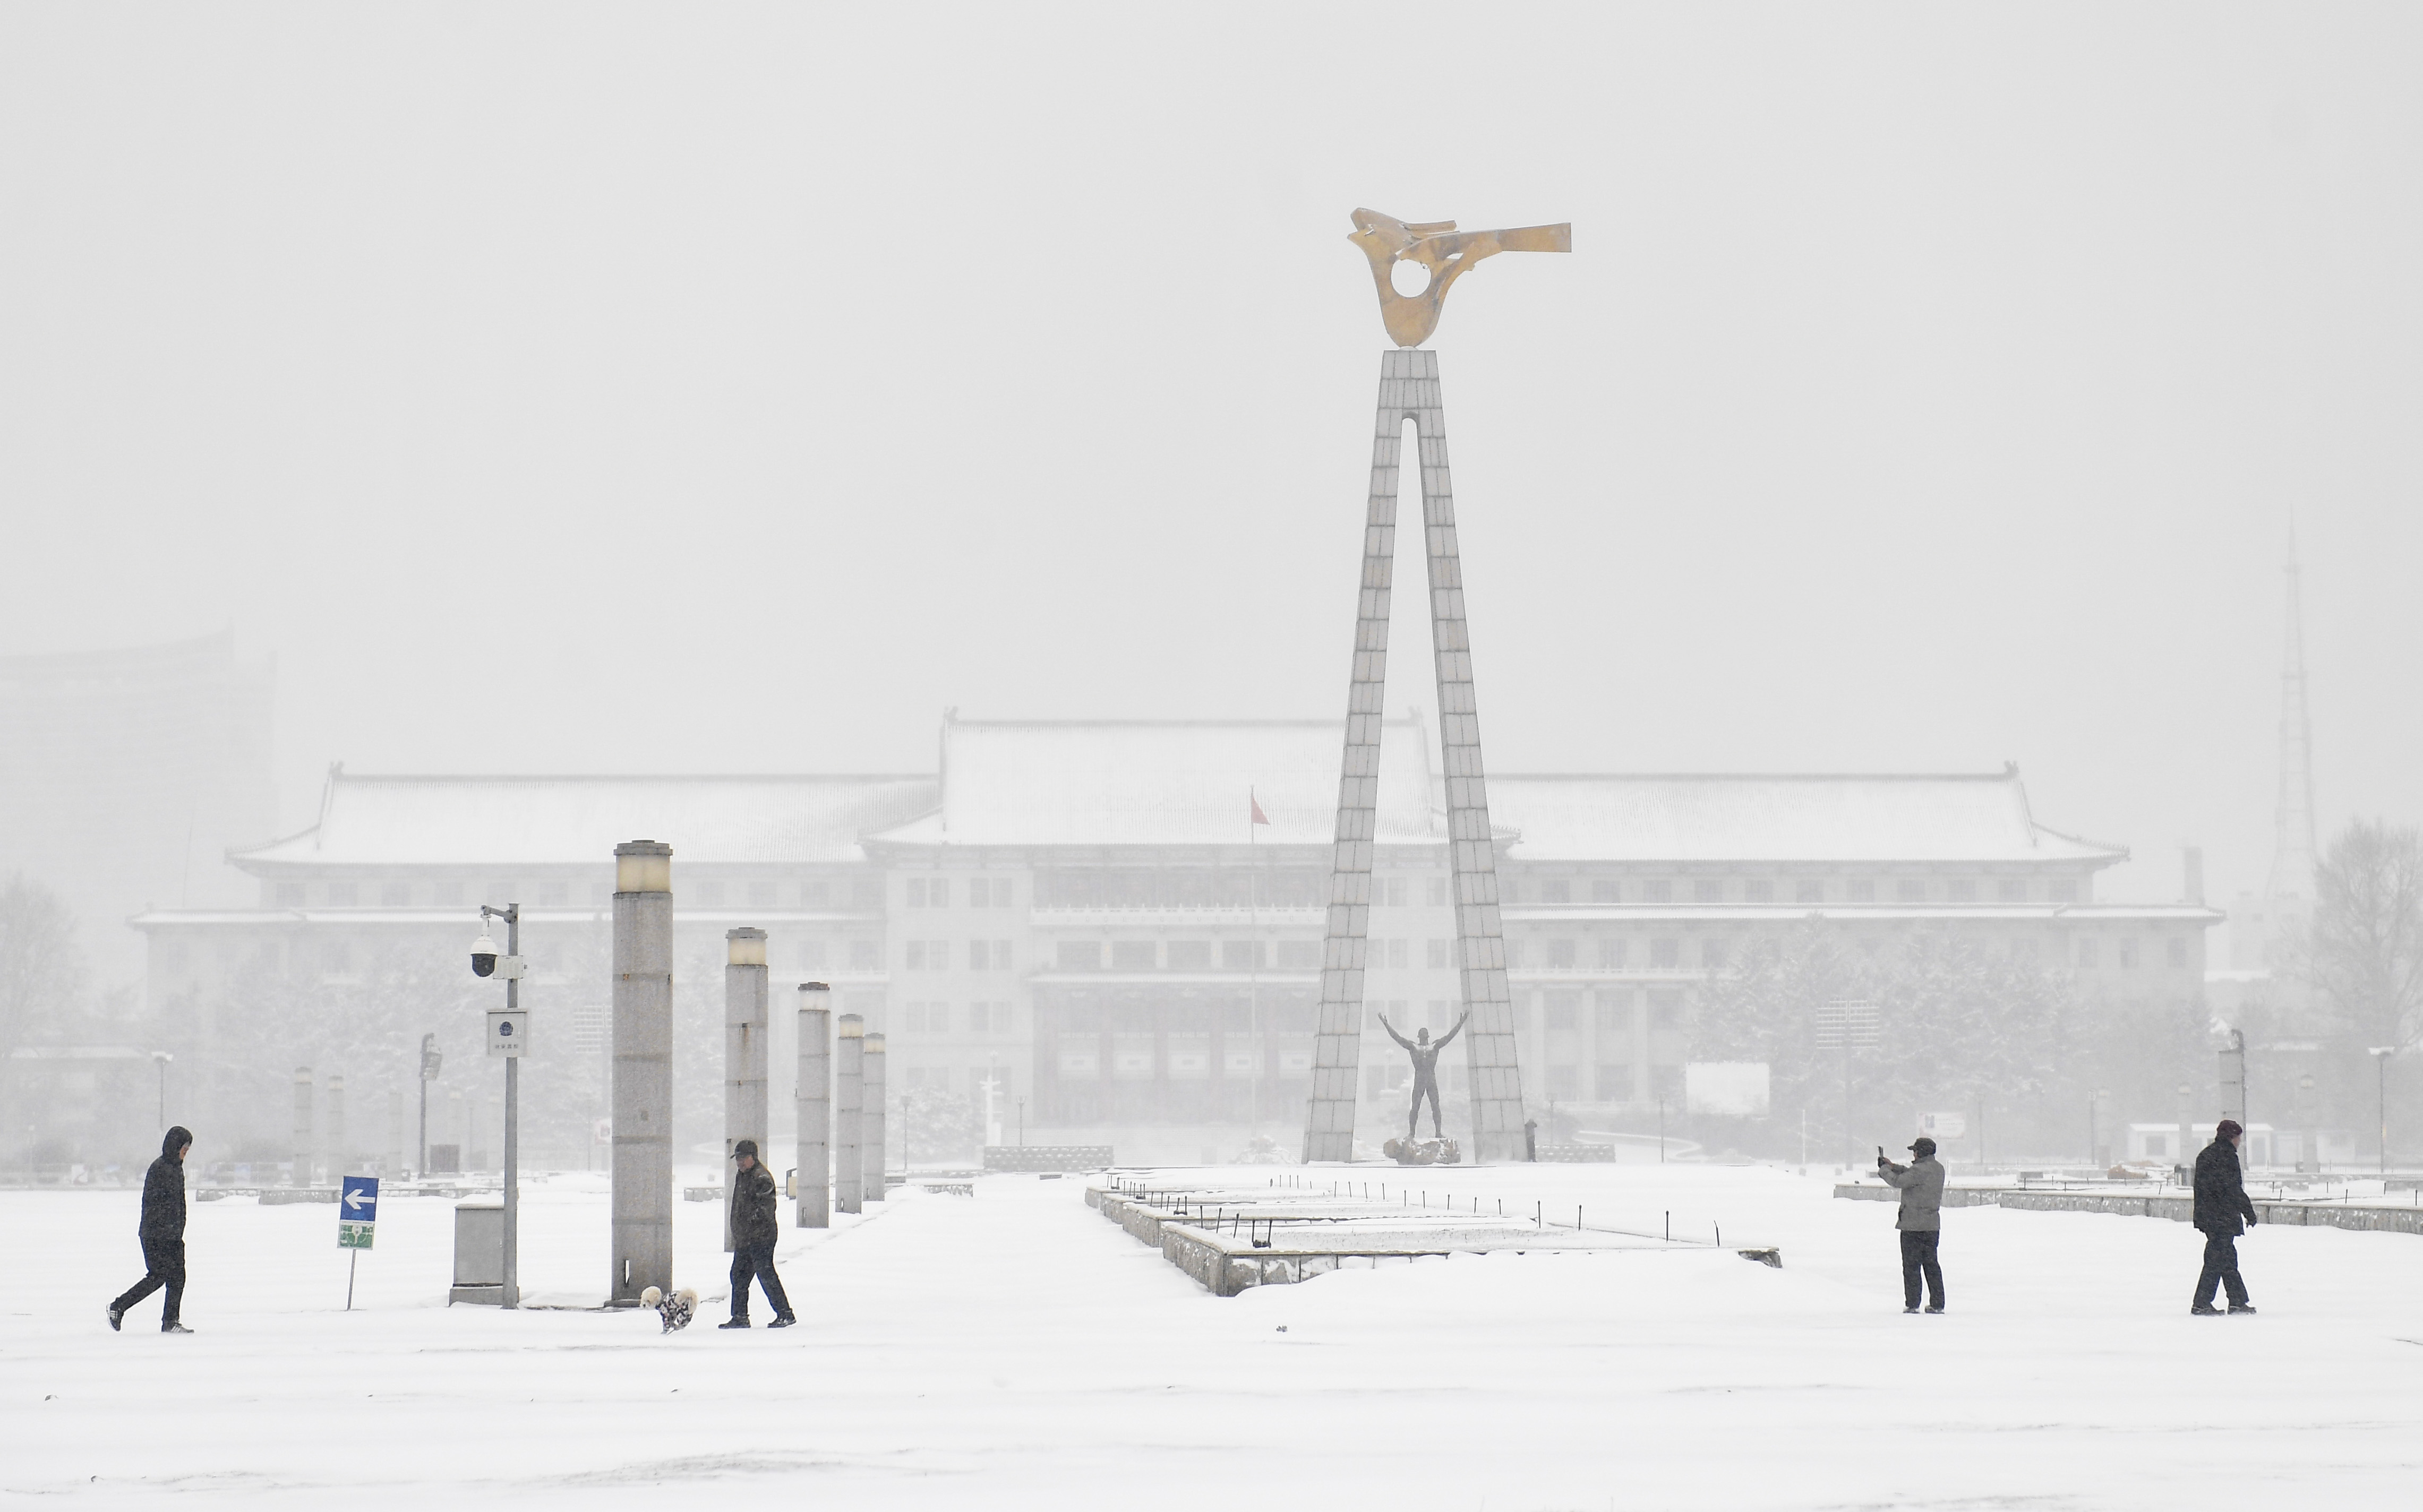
<point x="483" y="955"/>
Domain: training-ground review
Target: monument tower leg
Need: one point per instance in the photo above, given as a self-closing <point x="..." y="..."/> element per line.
<point x="1409" y="391"/>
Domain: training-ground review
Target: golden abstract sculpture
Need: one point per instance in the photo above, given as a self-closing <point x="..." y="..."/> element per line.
<point x="1436" y="246"/>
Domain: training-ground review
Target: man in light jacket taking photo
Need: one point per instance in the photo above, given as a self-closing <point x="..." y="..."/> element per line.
<point x="1921" y="1221"/>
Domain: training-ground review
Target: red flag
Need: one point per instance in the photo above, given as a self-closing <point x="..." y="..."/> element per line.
<point x="1260" y="817"/>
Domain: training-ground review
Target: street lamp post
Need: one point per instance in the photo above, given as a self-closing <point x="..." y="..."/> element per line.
<point x="2094" y="1140"/>
<point x="2380" y="1054"/>
<point x="485" y="962"/>
<point x="431" y="1061"/>
<point x="161" y="1059"/>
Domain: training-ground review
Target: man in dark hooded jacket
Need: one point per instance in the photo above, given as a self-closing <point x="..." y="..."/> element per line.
<point x="754" y="1233"/>
<point x="2220" y="1205"/>
<point x="1920" y="1220"/>
<point x="162" y="1230"/>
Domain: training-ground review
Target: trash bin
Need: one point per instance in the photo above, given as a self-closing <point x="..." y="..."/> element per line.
<point x="479" y="1253"/>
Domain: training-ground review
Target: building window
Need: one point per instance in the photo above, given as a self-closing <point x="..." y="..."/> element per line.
<point x="2062" y="891"/>
<point x="2129" y="955"/>
<point x="1909" y="889"/>
<point x="1657" y="893"/>
<point x="761" y="894"/>
<point x="1860" y="892"/>
<point x="2087" y="951"/>
<point x="1438" y="893"/>
<point x="1758" y="892"/>
<point x="1666" y="1008"/>
<point x="1962" y="891"/>
<point x="1515" y="951"/>
<point x="937" y="892"/>
<point x="913" y="957"/>
<point x="2011" y="890"/>
<point x="1388" y="892"/>
<point x="1615" y="1084"/>
<point x="1606" y="890"/>
<point x="1707" y="892"/>
<point x="1665" y="955"/>
<point x="396" y="895"/>
<point x="1713" y="953"/>
<point x="1079" y="956"/>
<point x="916" y="890"/>
<point x="1241" y="954"/>
<point x="1134" y="955"/>
<point x="1556" y="890"/>
<point x="1614" y="1012"/>
<point x="1190" y="955"/>
<point x="1435" y="954"/>
<point x="1806" y="890"/>
<point x="340" y="894"/>
<point x="1560" y="955"/>
<point x="862" y="955"/>
<point x="1564" y="1010"/>
<point x="812" y="895"/>
<point x="1611" y="954"/>
<point x="1399" y="955"/>
<point x="2178" y="949"/>
<point x="1294" y="955"/>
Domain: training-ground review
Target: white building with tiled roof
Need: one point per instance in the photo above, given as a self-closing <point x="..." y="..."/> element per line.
<point x="1083" y="914"/>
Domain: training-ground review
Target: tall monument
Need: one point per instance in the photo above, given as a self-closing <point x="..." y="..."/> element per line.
<point x="1409" y="391"/>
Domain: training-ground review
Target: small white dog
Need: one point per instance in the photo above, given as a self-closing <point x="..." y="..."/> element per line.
<point x="675" y="1309"/>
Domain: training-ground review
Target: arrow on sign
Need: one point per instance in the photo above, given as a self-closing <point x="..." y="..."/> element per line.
<point x="354" y="1196"/>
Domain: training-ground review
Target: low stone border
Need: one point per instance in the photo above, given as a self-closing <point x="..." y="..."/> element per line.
<point x="2384" y="1218"/>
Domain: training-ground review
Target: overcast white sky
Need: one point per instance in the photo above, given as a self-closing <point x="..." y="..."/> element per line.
<point x="716" y="387"/>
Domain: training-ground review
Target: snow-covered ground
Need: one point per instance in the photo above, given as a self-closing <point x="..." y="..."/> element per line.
<point x="1017" y="1350"/>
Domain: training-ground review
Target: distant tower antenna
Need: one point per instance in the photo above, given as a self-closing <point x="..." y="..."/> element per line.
<point x="2292" y="841"/>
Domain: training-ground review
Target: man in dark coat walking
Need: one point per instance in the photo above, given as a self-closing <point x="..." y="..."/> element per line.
<point x="754" y="1233"/>
<point x="162" y="1230"/>
<point x="2220" y="1205"/>
<point x="1920" y="1220"/>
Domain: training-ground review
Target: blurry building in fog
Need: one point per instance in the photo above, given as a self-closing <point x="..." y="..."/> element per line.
<point x="1083" y="914"/>
<point x="125" y="778"/>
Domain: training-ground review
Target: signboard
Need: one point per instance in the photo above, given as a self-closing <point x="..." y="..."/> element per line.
<point x="508" y="1031"/>
<point x="357" y="1212"/>
<point x="1942" y="1125"/>
<point x="1846" y="1023"/>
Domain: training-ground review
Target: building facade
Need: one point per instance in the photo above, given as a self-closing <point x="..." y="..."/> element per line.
<point x="1084" y="918"/>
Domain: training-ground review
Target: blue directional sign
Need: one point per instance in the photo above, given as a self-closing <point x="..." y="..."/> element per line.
<point x="357" y="1212"/>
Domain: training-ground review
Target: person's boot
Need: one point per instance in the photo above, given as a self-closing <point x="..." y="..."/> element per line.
<point x="1911" y="1308"/>
<point x="174" y="1327"/>
<point x="736" y="1323"/>
<point x="782" y="1322"/>
<point x="2236" y="1308"/>
<point x="115" y="1318"/>
<point x="2204" y="1309"/>
<point x="1936" y="1308"/>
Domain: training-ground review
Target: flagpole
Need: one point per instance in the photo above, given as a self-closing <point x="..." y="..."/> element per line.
<point x="1254" y="967"/>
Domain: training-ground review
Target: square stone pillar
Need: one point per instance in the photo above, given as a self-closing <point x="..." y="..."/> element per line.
<point x="850" y="1049"/>
<point x="814" y="1161"/>
<point x="872" y="1079"/>
<point x="643" y="1223"/>
<point x="303" y="1152"/>
<point x="744" y="1051"/>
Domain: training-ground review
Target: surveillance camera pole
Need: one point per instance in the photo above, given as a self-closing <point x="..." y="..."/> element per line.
<point x="511" y="914"/>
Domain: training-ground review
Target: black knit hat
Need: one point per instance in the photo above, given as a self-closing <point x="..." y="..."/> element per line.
<point x="747" y="1147"/>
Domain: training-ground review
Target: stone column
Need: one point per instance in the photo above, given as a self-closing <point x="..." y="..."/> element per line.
<point x="336" y="1130"/>
<point x="302" y="1126"/>
<point x="872" y="1079"/>
<point x="849" y="1048"/>
<point x="1409" y="391"/>
<point x="642" y="1233"/>
<point x="814" y="1160"/>
<point x="458" y="1123"/>
<point x="744" y="1051"/>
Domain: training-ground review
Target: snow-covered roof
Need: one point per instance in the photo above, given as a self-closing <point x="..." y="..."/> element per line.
<point x="1177" y="782"/>
<point x="1967" y="818"/>
<point x="553" y="821"/>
